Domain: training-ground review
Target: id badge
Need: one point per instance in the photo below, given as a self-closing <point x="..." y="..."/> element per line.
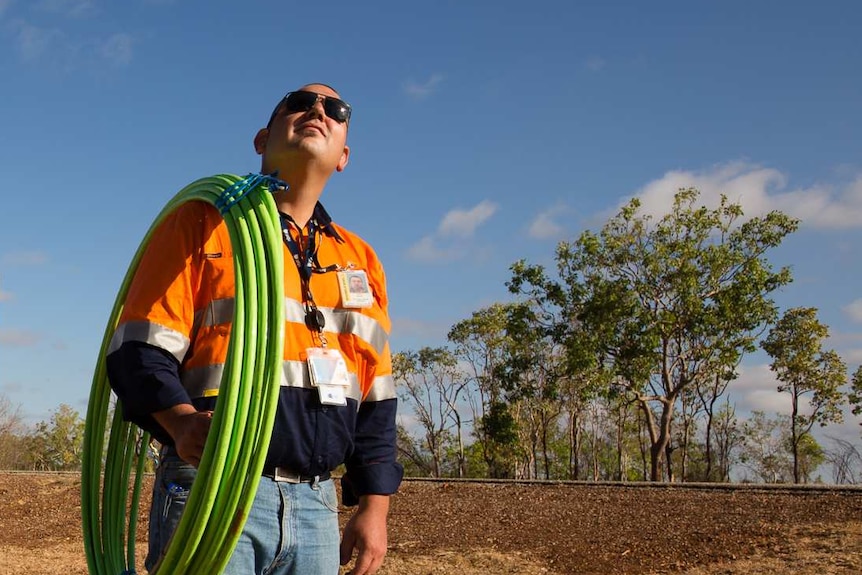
<point x="355" y="289"/>
<point x="328" y="373"/>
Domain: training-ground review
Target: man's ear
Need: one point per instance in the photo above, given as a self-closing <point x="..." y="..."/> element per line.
<point x="260" y="141"/>
<point x="342" y="163"/>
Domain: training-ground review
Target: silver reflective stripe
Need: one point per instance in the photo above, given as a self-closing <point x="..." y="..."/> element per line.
<point x="204" y="381"/>
<point x="355" y="323"/>
<point x="382" y="388"/>
<point x="200" y="380"/>
<point x="152" y="333"/>
<point x="216" y="312"/>
<point x="343" y="321"/>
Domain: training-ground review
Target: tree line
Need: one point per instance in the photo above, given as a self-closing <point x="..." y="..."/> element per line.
<point x="616" y="366"/>
<point x="54" y="444"/>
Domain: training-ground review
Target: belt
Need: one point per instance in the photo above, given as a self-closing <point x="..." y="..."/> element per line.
<point x="284" y="475"/>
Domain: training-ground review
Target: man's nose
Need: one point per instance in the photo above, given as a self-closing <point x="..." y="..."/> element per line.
<point x="318" y="105"/>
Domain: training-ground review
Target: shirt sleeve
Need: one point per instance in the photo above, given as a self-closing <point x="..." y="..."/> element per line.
<point x="146" y="380"/>
<point x="372" y="468"/>
<point x="155" y="328"/>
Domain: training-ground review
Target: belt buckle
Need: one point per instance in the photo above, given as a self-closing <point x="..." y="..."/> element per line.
<point x="283" y="475"/>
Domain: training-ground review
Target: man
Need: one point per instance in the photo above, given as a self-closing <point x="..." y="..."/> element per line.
<point x="337" y="398"/>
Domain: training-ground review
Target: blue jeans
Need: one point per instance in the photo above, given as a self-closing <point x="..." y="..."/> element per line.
<point x="292" y="528"/>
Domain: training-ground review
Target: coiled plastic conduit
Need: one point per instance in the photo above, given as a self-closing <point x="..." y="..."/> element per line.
<point x="236" y="447"/>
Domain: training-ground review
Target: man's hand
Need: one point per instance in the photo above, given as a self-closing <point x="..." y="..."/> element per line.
<point x="366" y="533"/>
<point x="188" y="428"/>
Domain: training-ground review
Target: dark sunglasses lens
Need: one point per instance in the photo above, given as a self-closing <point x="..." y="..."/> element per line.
<point x="336" y="109"/>
<point x="303" y="101"/>
<point x="299" y="101"/>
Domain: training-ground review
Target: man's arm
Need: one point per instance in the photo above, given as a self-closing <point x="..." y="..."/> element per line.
<point x="365" y="532"/>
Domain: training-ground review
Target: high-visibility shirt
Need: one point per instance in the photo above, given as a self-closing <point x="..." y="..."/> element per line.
<point x="171" y="344"/>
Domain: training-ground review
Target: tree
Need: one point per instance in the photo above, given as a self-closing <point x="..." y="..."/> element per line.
<point x="431" y="382"/>
<point x="846" y="461"/>
<point x="854" y="397"/>
<point x="481" y="343"/>
<point x="56" y="444"/>
<point x="664" y="305"/>
<point x="766" y="447"/>
<point x="807" y="371"/>
<point x="11" y="428"/>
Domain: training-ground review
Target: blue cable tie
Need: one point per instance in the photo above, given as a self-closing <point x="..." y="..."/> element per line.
<point x="232" y="195"/>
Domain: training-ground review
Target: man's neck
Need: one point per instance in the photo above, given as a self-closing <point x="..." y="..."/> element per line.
<point x="300" y="199"/>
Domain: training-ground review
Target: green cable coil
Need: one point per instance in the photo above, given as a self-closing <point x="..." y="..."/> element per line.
<point x="237" y="444"/>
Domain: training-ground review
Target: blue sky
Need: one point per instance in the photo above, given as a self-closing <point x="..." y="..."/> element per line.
<point x="483" y="132"/>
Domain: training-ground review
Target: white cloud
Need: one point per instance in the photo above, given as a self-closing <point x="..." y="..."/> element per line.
<point x="10" y="337"/>
<point x="463" y="223"/>
<point x="759" y="190"/>
<point x="4" y="5"/>
<point x="854" y="310"/>
<point x="456" y="225"/>
<point x="52" y="47"/>
<point x="423" y="89"/>
<point x="756" y="389"/>
<point x="545" y="227"/>
<point x="426" y="250"/>
<point x="24" y="258"/>
<point x="33" y="43"/>
<point x="116" y="50"/>
<point x="74" y="8"/>
<point x="595" y="63"/>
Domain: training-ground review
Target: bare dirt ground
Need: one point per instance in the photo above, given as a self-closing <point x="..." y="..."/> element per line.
<point x="462" y="528"/>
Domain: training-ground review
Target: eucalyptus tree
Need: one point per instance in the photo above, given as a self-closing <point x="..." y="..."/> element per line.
<point x="807" y="372"/>
<point x="481" y="344"/>
<point x="430" y="381"/>
<point x="854" y="397"/>
<point x="11" y="434"/>
<point x="664" y="305"/>
<point x="57" y="444"/>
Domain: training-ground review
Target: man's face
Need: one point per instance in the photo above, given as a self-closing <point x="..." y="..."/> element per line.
<point x="308" y="135"/>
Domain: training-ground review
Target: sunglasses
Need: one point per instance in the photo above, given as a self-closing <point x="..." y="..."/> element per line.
<point x="302" y="101"/>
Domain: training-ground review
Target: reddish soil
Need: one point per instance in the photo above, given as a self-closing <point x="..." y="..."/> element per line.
<point x="467" y="528"/>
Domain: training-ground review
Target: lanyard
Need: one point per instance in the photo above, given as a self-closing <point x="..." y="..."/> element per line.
<point x="306" y="264"/>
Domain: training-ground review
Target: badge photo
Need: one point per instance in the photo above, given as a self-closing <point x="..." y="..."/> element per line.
<point x="355" y="289"/>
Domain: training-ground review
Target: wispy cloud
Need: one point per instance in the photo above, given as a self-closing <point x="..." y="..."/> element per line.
<point x="463" y="223"/>
<point x="426" y="250"/>
<point x="456" y="225"/>
<point x="10" y="337"/>
<point x="24" y="258"/>
<point x="854" y="310"/>
<point x="424" y="89"/>
<point x="4" y="4"/>
<point x="595" y="63"/>
<point x="545" y="225"/>
<point x="74" y="8"/>
<point x="760" y="190"/>
<point x="33" y="43"/>
<point x="756" y="389"/>
<point x="6" y="296"/>
<point x="56" y="48"/>
<point x="116" y="49"/>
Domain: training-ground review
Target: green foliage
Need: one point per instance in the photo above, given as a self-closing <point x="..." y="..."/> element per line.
<point x="806" y="370"/>
<point x="661" y="305"/>
<point x="56" y="444"/>
<point x="854" y="397"/>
